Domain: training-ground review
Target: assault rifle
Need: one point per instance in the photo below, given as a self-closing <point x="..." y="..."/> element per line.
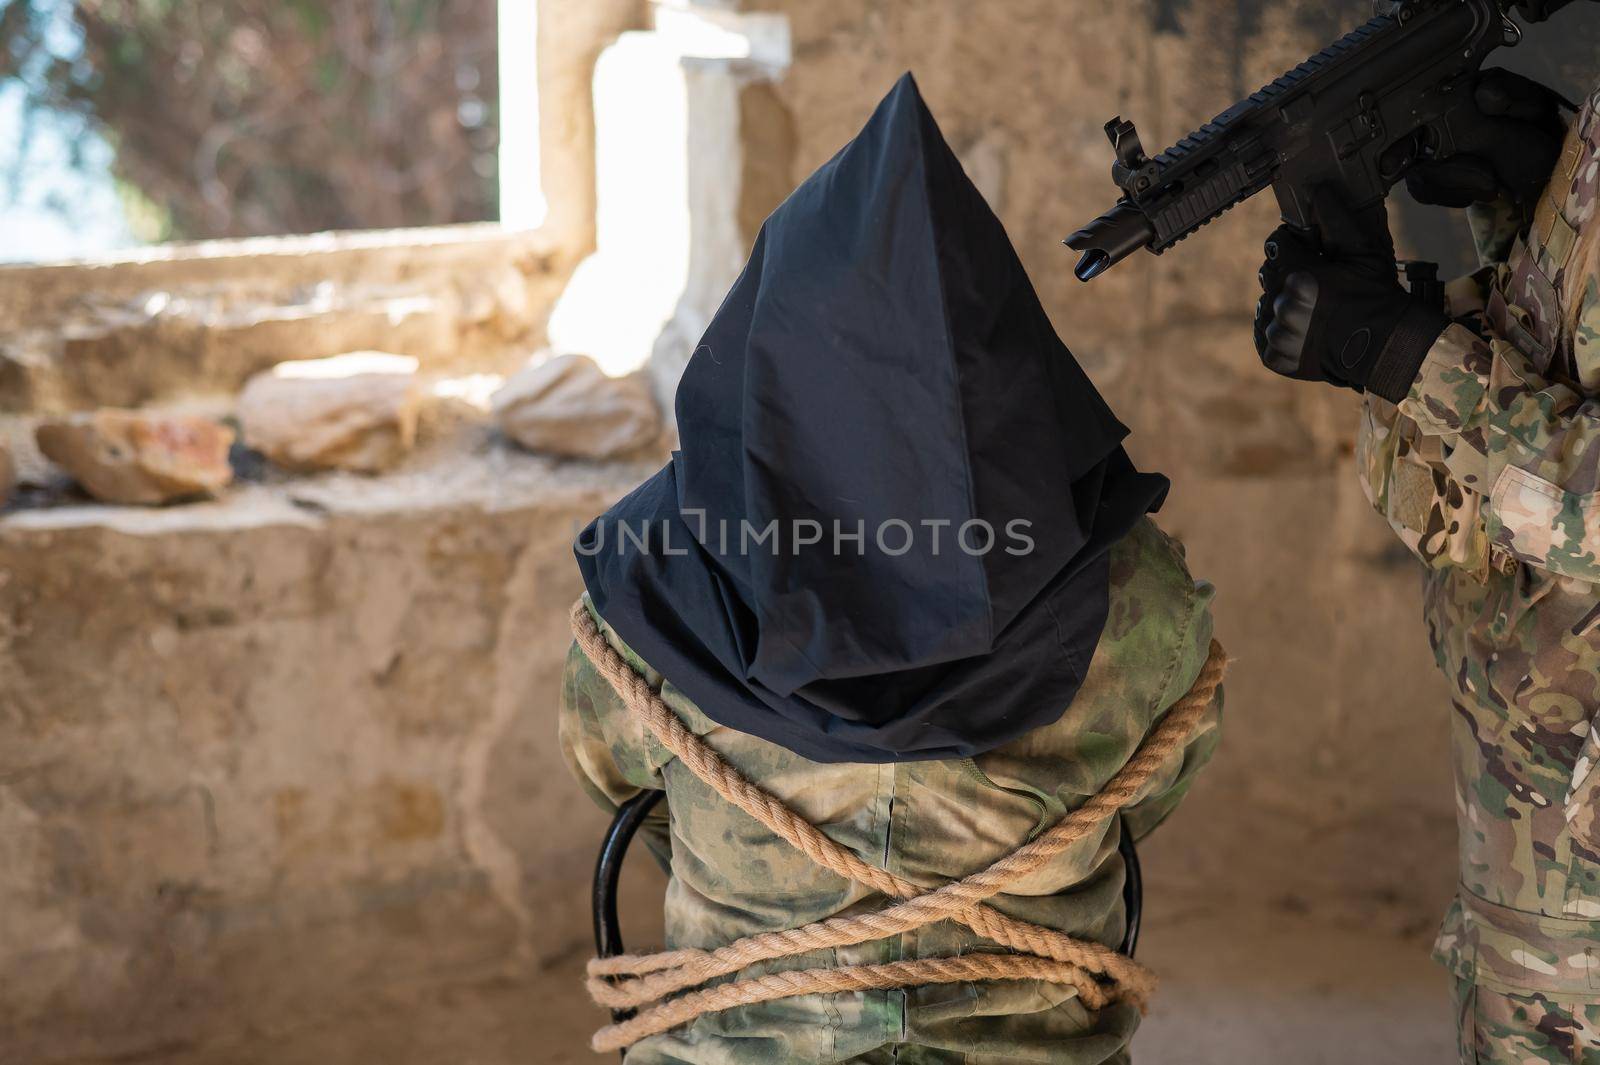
<point x="1359" y="114"/>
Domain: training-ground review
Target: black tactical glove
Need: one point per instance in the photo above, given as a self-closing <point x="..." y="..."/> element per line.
<point x="1338" y="313"/>
<point x="1506" y="148"/>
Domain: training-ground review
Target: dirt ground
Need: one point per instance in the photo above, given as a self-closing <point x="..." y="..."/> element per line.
<point x="1233" y="993"/>
<point x="1238" y="988"/>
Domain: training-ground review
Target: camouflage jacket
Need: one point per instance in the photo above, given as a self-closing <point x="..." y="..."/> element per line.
<point x="929" y="821"/>
<point x="1492" y="458"/>
<point x="1490" y="472"/>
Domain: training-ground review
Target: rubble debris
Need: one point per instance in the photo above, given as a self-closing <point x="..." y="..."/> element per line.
<point x="130" y="456"/>
<point x="356" y="411"/>
<point x="567" y="406"/>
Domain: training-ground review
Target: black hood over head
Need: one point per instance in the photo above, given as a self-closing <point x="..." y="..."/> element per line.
<point x="885" y="536"/>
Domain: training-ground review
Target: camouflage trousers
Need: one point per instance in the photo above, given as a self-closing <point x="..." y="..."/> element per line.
<point x="1501" y="1029"/>
<point x="1522" y="652"/>
<point x="930" y="822"/>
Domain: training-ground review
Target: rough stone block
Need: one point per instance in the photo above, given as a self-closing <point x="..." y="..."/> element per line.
<point x="122" y="456"/>
<point x="567" y="406"/>
<point x="356" y="411"/>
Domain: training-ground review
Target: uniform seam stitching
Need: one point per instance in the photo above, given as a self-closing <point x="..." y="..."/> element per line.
<point x="1182" y="645"/>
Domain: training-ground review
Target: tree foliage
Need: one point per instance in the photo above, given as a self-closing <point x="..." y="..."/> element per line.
<point x="249" y="117"/>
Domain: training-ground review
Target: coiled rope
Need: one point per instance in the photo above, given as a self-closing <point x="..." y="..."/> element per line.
<point x="1099" y="974"/>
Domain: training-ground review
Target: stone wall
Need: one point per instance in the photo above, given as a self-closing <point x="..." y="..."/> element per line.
<point x="287" y="757"/>
<point x="269" y="760"/>
<point x="174" y="322"/>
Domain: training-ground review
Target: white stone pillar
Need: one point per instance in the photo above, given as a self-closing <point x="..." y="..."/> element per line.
<point x="522" y="204"/>
<point x="668" y="164"/>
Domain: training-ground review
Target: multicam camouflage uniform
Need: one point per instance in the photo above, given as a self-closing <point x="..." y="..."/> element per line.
<point x="1490" y="471"/>
<point x="928" y="821"/>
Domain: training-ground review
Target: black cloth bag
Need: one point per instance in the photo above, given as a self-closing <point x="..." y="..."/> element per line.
<point x="882" y="369"/>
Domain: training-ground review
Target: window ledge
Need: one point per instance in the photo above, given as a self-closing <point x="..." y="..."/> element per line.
<point x="157" y="323"/>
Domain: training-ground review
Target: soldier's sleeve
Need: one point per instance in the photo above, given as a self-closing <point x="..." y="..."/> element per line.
<point x="1172" y="782"/>
<point x="605" y="747"/>
<point x="1495" y="228"/>
<point x="1529" y="447"/>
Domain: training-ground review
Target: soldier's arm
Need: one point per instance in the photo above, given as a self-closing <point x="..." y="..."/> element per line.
<point x="1529" y="446"/>
<point x="1168" y="787"/>
<point x="606" y="748"/>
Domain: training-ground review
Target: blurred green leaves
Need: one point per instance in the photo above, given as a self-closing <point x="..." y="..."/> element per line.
<point x="250" y="117"/>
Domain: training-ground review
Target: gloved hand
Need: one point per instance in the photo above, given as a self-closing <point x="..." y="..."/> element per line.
<point x="1506" y="147"/>
<point x="1338" y="313"/>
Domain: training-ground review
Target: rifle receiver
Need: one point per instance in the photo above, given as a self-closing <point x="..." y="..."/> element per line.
<point x="1357" y="114"/>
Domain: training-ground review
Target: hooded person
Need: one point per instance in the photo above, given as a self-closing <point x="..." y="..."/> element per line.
<point x="900" y="579"/>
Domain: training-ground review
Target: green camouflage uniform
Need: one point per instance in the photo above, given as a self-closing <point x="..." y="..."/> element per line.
<point x="1490" y="472"/>
<point x="929" y="821"/>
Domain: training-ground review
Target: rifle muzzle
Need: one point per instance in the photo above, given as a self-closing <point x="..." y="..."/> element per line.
<point x="1109" y="239"/>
